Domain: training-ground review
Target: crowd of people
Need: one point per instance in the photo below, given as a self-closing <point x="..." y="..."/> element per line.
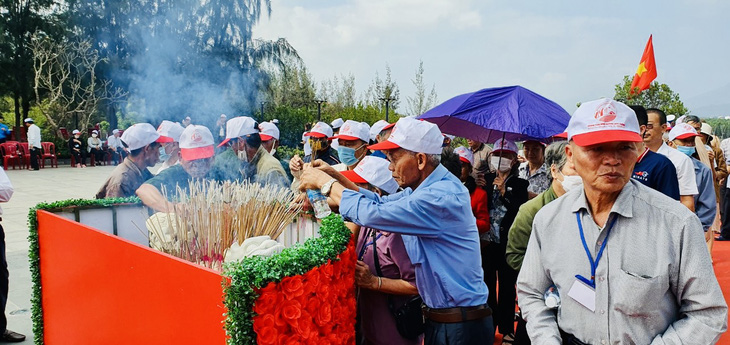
<point x="608" y="219"/>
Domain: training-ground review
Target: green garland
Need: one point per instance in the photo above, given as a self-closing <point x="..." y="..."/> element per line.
<point x="251" y="274"/>
<point x="34" y="251"/>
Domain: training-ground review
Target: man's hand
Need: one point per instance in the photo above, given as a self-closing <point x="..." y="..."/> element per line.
<point x="364" y="278"/>
<point x="711" y="154"/>
<point x="296" y="165"/>
<point x="312" y="178"/>
<point x="324" y="167"/>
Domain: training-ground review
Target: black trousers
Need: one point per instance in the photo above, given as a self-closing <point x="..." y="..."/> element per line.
<point x="725" y="213"/>
<point x="4" y="277"/>
<point x="79" y="157"/>
<point x="34" y="155"/>
<point x="497" y="271"/>
<point x="475" y="332"/>
<point x="98" y="155"/>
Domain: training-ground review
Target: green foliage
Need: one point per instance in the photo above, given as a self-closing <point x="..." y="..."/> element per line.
<point x="251" y="274"/>
<point x="720" y="126"/>
<point x="286" y="153"/>
<point x="34" y="252"/>
<point x="656" y="96"/>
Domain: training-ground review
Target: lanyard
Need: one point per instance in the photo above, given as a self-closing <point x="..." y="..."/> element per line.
<point x="364" y="246"/>
<point x="594" y="264"/>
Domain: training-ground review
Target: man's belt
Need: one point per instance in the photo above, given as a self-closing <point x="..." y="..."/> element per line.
<point x="569" y="339"/>
<point x="458" y="314"/>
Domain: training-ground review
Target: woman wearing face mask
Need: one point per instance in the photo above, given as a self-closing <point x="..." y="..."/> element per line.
<point x="353" y="140"/>
<point x="170" y="149"/>
<point x="76" y="147"/>
<point x="506" y="193"/>
<point x="563" y="179"/>
<point x="94" y="147"/>
<point x="392" y="278"/>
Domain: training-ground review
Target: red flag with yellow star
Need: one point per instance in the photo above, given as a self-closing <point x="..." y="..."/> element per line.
<point x="646" y="72"/>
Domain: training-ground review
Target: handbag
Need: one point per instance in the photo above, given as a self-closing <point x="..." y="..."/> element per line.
<point x="409" y="317"/>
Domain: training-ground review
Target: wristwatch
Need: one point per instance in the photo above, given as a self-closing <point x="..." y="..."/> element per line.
<point x="327" y="187"/>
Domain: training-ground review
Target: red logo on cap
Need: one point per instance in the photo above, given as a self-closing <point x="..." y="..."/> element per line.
<point x="605" y="113"/>
<point x="196" y="137"/>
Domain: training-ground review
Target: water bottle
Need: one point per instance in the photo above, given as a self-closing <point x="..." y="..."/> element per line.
<point x="552" y="298"/>
<point x="319" y="203"/>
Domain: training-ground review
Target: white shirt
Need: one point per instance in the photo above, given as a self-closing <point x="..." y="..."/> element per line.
<point x="685" y="169"/>
<point x="307" y="148"/>
<point x="34" y="136"/>
<point x="6" y="188"/>
<point x="114" y="142"/>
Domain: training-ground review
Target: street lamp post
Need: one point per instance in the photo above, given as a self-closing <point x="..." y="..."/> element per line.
<point x="387" y="105"/>
<point x="319" y="108"/>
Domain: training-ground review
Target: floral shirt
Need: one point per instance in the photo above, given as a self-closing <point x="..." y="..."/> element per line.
<point x="539" y="181"/>
<point x="496" y="214"/>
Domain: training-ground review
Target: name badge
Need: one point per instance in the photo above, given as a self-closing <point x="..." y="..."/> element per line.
<point x="583" y="294"/>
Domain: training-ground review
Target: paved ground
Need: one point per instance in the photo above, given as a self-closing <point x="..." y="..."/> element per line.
<point x="31" y="188"/>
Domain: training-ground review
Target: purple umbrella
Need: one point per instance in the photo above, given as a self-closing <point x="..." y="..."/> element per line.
<point x="511" y="112"/>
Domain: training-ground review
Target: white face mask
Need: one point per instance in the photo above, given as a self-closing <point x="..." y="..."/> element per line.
<point x="500" y="163"/>
<point x="273" y="150"/>
<point x="93" y="135"/>
<point x="571" y="182"/>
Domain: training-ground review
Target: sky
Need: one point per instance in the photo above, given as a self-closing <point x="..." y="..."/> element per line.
<point x="567" y="51"/>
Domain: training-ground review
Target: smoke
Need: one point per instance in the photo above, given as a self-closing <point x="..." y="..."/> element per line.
<point x="187" y="61"/>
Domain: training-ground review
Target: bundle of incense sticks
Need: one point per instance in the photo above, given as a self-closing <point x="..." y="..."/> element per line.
<point x="209" y="217"/>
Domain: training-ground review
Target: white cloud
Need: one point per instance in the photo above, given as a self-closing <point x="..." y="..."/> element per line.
<point x="568" y="52"/>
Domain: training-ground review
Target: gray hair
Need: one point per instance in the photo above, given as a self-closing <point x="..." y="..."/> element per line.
<point x="555" y="155"/>
<point x="433" y="160"/>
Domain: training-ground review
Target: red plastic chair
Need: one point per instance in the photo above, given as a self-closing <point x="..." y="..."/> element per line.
<point x="10" y="154"/>
<point x="24" y="154"/>
<point x="49" y="152"/>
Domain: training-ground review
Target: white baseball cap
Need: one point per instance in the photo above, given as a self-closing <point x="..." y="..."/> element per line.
<point x="504" y="145"/>
<point x="268" y="131"/>
<point x="465" y="154"/>
<point x="196" y="142"/>
<point x="140" y="135"/>
<point x="353" y="130"/>
<point x="451" y="137"/>
<point x="239" y="126"/>
<point x="337" y="123"/>
<point x="171" y="130"/>
<point x="28" y="120"/>
<point x="320" y="130"/>
<point x="377" y="128"/>
<point x="373" y="170"/>
<point x="682" y="131"/>
<point x="115" y="131"/>
<point x="413" y="135"/>
<point x="75" y="131"/>
<point x="603" y="121"/>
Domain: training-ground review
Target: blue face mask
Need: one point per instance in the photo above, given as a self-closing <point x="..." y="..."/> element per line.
<point x="347" y="155"/>
<point x="163" y="155"/>
<point x="688" y="150"/>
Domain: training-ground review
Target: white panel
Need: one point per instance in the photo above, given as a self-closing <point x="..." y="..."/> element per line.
<point x="131" y="223"/>
<point x="99" y="218"/>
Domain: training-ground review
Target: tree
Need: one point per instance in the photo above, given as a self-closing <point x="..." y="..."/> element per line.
<point x="19" y="20"/>
<point x="420" y="102"/>
<point x="656" y="96"/>
<point x="383" y="89"/>
<point x="183" y="57"/>
<point x="65" y="74"/>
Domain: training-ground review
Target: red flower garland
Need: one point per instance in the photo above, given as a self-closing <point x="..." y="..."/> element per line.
<point x="317" y="307"/>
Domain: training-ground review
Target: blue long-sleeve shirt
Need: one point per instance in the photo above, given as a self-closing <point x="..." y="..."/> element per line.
<point x="705" y="207"/>
<point x="439" y="232"/>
